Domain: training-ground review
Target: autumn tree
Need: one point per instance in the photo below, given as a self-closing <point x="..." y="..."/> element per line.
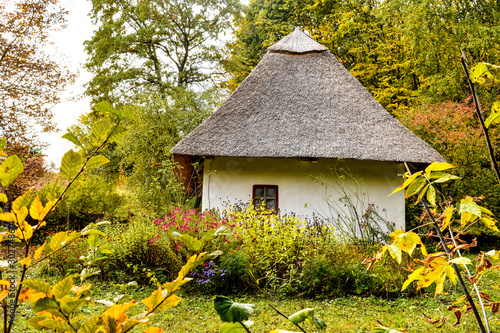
<point x="151" y="46"/>
<point x="404" y="52"/>
<point x="30" y="80"/>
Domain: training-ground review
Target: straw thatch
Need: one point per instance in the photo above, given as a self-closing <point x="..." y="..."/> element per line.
<point x="301" y="102"/>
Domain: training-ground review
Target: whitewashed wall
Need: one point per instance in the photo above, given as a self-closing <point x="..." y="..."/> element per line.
<point x="231" y="180"/>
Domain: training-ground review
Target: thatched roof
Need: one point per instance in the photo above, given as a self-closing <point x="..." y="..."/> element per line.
<point x="300" y="101"/>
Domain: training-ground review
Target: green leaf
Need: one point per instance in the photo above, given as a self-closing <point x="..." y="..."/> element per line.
<point x="106" y="108"/>
<point x="235" y="327"/>
<point x="118" y="134"/>
<point x="38" y="286"/>
<point x="307" y="314"/>
<point x="422" y="193"/>
<point x="431" y="195"/>
<point x="21" y="202"/>
<point x="10" y="168"/>
<point x="72" y="306"/>
<point x="100" y="130"/>
<point x="231" y="312"/>
<point x="192" y="243"/>
<point x="72" y="138"/>
<point x="56" y="325"/>
<point x="415" y="187"/>
<point x="44" y="304"/>
<point x="71" y="164"/>
<point x="92" y="325"/>
<point x="94" y="240"/>
<point x="62" y="288"/>
<point x="97" y="161"/>
<point x="127" y="113"/>
<point x="34" y="322"/>
<point x="467" y="205"/>
<point x="407" y="182"/>
<point x="88" y="272"/>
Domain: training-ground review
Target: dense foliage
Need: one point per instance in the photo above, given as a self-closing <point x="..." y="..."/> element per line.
<point x="403" y="52"/>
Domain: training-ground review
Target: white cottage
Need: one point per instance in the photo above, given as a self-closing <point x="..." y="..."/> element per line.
<point x="288" y="123"/>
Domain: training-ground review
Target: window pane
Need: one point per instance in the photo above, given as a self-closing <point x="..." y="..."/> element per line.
<point x="271" y="204"/>
<point x="259" y="191"/>
<point x="271" y="192"/>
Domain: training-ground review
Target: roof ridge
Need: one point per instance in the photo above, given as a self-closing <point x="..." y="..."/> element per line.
<point x="297" y="42"/>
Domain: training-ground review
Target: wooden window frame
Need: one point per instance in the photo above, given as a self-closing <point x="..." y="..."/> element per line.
<point x="266" y="186"/>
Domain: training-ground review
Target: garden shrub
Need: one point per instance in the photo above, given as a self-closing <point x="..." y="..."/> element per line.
<point x="90" y="199"/>
<point x="140" y="253"/>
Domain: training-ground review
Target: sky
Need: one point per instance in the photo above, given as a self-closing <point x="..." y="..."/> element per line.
<point x="69" y="43"/>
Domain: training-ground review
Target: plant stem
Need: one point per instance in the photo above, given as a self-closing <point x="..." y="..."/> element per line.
<point x="246" y="328"/>
<point x="474" y="284"/>
<point x="281" y="314"/>
<point x="455" y="268"/>
<point x="491" y="152"/>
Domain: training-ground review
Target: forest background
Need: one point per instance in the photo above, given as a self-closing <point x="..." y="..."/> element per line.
<point x="176" y="61"/>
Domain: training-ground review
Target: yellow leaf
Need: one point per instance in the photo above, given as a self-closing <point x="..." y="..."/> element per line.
<point x="407" y="182"/>
<point x="447" y="214"/>
<point x="115" y="316"/>
<point x="460" y="261"/>
<point x="24" y="232"/>
<point x="37" y="211"/>
<point x="39" y="251"/>
<point x="151" y="329"/>
<point x="78" y="290"/>
<point x="3" y="294"/>
<point x="4" y="283"/>
<point x="416" y="275"/>
<point x="7" y="217"/>
<point x="28" y="294"/>
<point x="26" y="261"/>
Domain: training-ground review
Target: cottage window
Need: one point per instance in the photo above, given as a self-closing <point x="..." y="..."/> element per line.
<point x="266" y="195"/>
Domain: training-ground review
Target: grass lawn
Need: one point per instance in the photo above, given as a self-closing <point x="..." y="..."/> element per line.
<point x="351" y="314"/>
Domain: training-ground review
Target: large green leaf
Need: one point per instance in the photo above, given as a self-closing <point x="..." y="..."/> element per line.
<point x="97" y="161"/>
<point x="38" y="286"/>
<point x="231" y="312"/>
<point x="72" y="138"/>
<point x="100" y="130"/>
<point x="71" y="164"/>
<point x="88" y="272"/>
<point x="307" y="314"/>
<point x="468" y="205"/>
<point x="44" y="304"/>
<point x="10" y="168"/>
<point x="127" y="113"/>
<point x="92" y="325"/>
<point x="59" y="326"/>
<point x="415" y="187"/>
<point x="118" y="133"/>
<point x="63" y="287"/>
<point x="106" y="108"/>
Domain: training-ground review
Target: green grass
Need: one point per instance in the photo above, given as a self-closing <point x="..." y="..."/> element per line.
<point x="351" y="314"/>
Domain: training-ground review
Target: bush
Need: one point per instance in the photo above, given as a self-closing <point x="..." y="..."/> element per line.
<point x="90" y="199"/>
<point x="141" y="253"/>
